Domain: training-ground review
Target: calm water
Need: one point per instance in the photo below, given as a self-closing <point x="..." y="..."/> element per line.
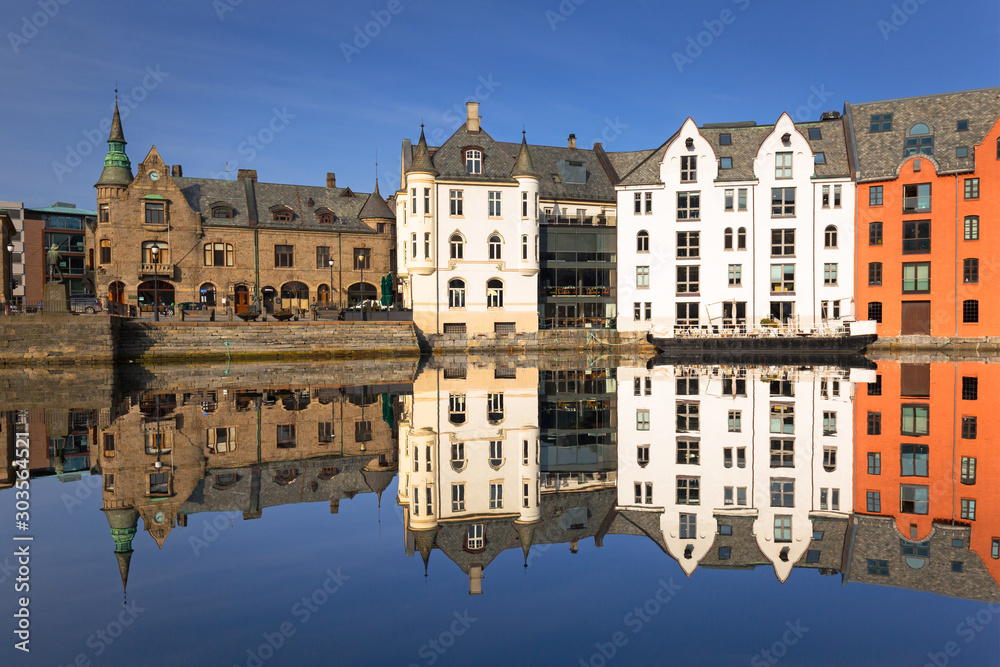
<point x="581" y="513"/>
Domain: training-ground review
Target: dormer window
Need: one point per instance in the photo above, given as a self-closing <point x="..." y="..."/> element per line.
<point x="473" y="161"/>
<point x="325" y="216"/>
<point x="222" y="213"/>
<point x="919" y="141"/>
<point x="281" y="214"/>
<point x="725" y="139"/>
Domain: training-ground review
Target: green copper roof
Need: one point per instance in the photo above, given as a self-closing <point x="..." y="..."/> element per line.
<point x="117" y="168"/>
<point x="69" y="209"/>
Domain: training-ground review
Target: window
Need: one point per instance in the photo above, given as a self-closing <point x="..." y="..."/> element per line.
<point x="917" y="278"/>
<point x="968" y="470"/>
<point x="687" y="314"/>
<point x="741" y="199"/>
<point x="972" y="228"/>
<point x="688" y="452"/>
<point x="494" y="408"/>
<point x="687" y="386"/>
<point x="782" y="202"/>
<point x="105" y="251"/>
<point x="782" y="418"/>
<point x="727" y="457"/>
<point x="970" y="271"/>
<point x="455" y="200"/>
<point x="281" y="215"/>
<point x="969" y="428"/>
<point x="642" y="455"/>
<point x="689" y="168"/>
<point x="970" y="389"/>
<point x="830" y="237"/>
<point x="782" y="492"/>
<point x="782" y="529"/>
<point x="413" y="238"/>
<point x="524" y="247"/>
<point x="913" y="460"/>
<point x="642" y="420"/>
<point x="496" y="495"/>
<point x="427" y="247"/>
<point x="689" y="526"/>
<point x="875" y="313"/>
<point x="456" y="246"/>
<point x="363" y="257"/>
<point x="458" y="456"/>
<point x="474" y="537"/>
<point x="473" y="161"/>
<point x="878" y="568"/>
<point x="917" y="198"/>
<point x="413" y="201"/>
<point x="915" y="420"/>
<point x="427" y="201"/>
<point x="734" y="386"/>
<point x="687" y="417"/>
<point x="729" y="200"/>
<point x="919" y="142"/>
<point x="286" y="435"/>
<point x="727" y="239"/>
<point x="829" y="422"/>
<point x="687" y="279"/>
<point x="881" y="122"/>
<point x="494" y="204"/>
<point x="962" y="151"/>
<point x="725" y="163"/>
<point x="782" y="242"/>
<point x="494" y="293"/>
<point x="875" y="195"/>
<point x="874" y="274"/>
<point x="916" y="236"/>
<point x="875" y="460"/>
<point x="649" y="202"/>
<point x="783" y="165"/>
<point x="830" y="274"/>
<point x="874" y="423"/>
<point x="829" y="310"/>
<point x="741" y="495"/>
<point x="642" y="277"/>
<point x="638" y="202"/>
<point x="782" y="277"/>
<point x="875" y="233"/>
<point x="688" y="490"/>
<point x="725" y="139"/>
<point x="363" y="430"/>
<point x="874" y="503"/>
<point x="972" y="188"/>
<point x="819" y="158"/>
<point x="969" y="513"/>
<point x="642" y="241"/>
<point x="815" y="133"/>
<point x="154" y="213"/>
<point x="456" y="409"/>
<point x="735" y="275"/>
<point x="495" y="247"/>
<point x="322" y="256"/>
<point x="688" y="205"/>
<point x="829" y="459"/>
<point x="688" y="244"/>
<point x="735" y="421"/>
<point x="283" y="256"/>
<point x="644" y="493"/>
<point x="727" y="495"/>
<point x="456" y="293"/>
<point x="782" y="453"/>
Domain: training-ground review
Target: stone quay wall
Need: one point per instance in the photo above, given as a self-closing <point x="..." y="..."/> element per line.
<point x="605" y="341"/>
<point x="28" y="340"/>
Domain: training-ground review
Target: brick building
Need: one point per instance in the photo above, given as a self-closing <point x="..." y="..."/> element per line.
<point x="220" y="242"/>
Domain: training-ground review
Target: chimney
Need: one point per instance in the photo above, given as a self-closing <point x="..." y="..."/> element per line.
<point x="331" y="179"/>
<point x="247" y="173"/>
<point x="572" y="141"/>
<point x="476" y="579"/>
<point x="473" y="117"/>
<point x="176" y="171"/>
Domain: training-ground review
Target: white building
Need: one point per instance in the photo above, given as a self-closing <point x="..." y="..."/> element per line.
<point x="16" y="212"/>
<point x="468" y="242"/>
<point x="769" y="447"/>
<point x="735" y="223"/>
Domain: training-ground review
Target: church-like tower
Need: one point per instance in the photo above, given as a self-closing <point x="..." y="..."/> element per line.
<point x="117" y="173"/>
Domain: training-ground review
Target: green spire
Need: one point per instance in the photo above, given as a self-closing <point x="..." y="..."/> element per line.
<point x="123" y="523"/>
<point x="117" y="168"/>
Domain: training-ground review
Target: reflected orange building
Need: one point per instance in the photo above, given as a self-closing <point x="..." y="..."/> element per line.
<point x="926" y="441"/>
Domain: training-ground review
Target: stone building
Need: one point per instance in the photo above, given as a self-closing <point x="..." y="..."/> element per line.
<point x="160" y="235"/>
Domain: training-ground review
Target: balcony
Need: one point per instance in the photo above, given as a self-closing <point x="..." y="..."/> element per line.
<point x="151" y="269"/>
<point x="575" y="291"/>
<point x="579" y="221"/>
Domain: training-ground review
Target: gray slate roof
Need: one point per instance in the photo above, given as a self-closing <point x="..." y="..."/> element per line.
<point x="202" y="193"/>
<point x="879" y="154"/>
<point x="598" y="187"/>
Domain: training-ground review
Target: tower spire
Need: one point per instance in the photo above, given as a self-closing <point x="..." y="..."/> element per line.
<point x="117" y="167"/>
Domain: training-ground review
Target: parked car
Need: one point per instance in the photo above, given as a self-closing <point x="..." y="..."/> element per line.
<point x="85" y="303"/>
<point x="191" y="306"/>
<point x="369" y="304"/>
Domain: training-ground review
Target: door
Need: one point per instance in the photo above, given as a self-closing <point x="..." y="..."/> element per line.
<point x="782" y="311"/>
<point x="242" y="294"/>
<point x="916" y="318"/>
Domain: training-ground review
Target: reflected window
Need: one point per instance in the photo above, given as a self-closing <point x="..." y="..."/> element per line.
<point x="782" y="529"/>
<point x="458" y="497"/>
<point x="689" y="526"/>
<point x="913" y="499"/>
<point x="913" y="460"/>
<point x="456" y="409"/>
<point x="474" y="538"/>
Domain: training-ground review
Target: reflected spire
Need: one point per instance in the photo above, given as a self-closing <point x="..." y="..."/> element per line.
<point x="124" y="523"/>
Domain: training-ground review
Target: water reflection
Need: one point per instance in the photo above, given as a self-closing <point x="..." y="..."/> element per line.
<point x="877" y="476"/>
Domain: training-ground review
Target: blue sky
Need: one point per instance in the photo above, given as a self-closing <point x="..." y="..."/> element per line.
<point x="318" y="94"/>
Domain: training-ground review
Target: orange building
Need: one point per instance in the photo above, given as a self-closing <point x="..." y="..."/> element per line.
<point x="926" y="441"/>
<point x="927" y="171"/>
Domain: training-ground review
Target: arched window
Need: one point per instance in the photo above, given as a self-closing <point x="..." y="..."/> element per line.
<point x="919" y="141"/>
<point x="496" y="247"/>
<point x="219" y="254"/>
<point x="727" y="239"/>
<point x="207" y="293"/>
<point x="295" y="294"/>
<point x="741" y="238"/>
<point x="473" y="161"/>
<point x="456" y="293"/>
<point x="830" y="237"/>
<point x="116" y="292"/>
<point x="222" y="213"/>
<point x="457" y="246"/>
<point x="281" y="214"/>
<point x="642" y="241"/>
<point x="494" y="293"/>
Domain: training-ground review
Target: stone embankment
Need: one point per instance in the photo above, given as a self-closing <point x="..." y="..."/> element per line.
<point x="985" y="346"/>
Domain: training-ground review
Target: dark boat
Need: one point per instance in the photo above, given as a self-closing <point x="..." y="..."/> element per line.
<point x="852" y="338"/>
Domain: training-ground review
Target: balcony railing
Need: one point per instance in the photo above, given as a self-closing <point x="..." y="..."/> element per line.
<point x="575" y="291"/>
<point x="151" y="269"/>
<point x="581" y="221"/>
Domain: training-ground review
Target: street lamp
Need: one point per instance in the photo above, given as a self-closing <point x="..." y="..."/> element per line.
<point x="361" y="263"/>
<point x="329" y="261"/>
<point x="154" y="250"/>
